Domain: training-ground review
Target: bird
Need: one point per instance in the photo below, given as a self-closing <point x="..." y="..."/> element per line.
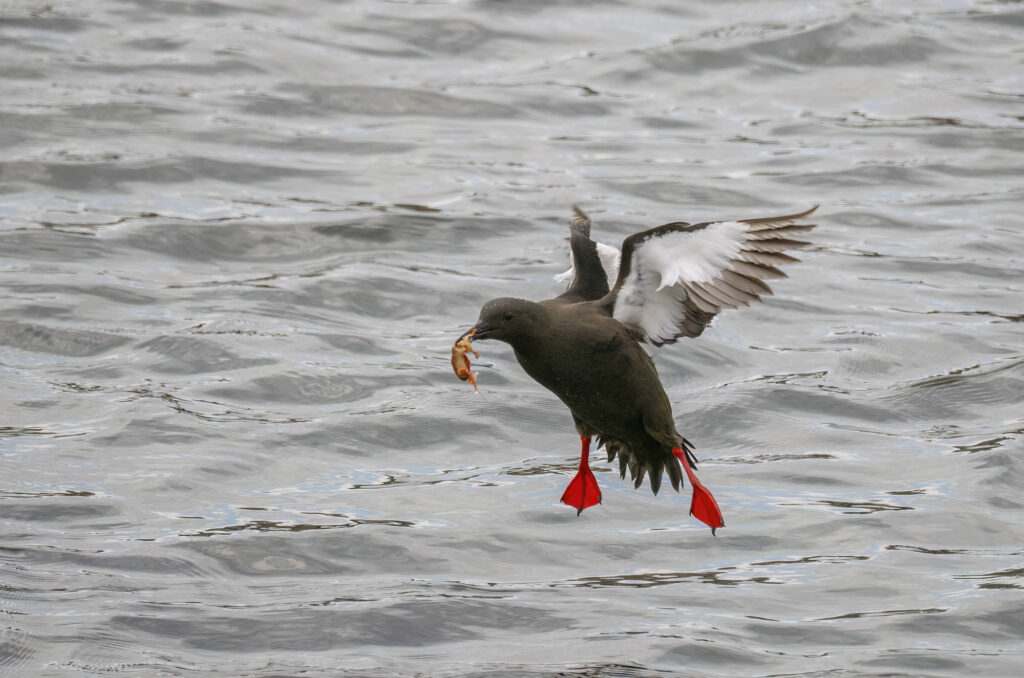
<point x="585" y="345"/>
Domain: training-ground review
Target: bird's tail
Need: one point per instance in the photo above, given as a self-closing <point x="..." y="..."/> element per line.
<point x="650" y="463"/>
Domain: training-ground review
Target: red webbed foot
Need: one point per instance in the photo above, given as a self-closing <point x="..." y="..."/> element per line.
<point x="583" y="491"/>
<point x="703" y="506"/>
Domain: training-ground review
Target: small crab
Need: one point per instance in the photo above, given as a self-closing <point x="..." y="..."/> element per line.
<point x="460" y="361"/>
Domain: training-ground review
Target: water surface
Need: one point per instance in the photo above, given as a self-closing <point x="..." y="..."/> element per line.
<point x="238" y="238"/>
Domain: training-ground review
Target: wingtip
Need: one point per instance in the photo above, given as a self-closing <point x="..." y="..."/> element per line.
<point x="786" y="219"/>
<point x="579" y="220"/>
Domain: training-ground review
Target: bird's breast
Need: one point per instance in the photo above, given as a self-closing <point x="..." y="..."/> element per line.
<point x="596" y="374"/>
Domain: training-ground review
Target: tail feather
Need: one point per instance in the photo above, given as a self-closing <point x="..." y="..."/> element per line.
<point x="651" y="465"/>
<point x="654" y="472"/>
<point x="638" y="472"/>
<point x="675" y="476"/>
<point x="687" y="447"/>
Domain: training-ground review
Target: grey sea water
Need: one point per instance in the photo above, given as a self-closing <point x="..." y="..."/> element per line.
<point x="238" y="238"/>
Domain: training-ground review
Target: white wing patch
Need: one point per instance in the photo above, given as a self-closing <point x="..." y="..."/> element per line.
<point x="610" y="257"/>
<point x="693" y="256"/>
<point x="657" y="313"/>
<point x="567" y="275"/>
<point x="652" y="295"/>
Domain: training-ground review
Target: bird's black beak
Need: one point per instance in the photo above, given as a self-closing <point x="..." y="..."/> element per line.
<point x="474" y="333"/>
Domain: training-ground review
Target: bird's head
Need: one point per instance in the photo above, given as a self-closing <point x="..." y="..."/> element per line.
<point x="509" y="320"/>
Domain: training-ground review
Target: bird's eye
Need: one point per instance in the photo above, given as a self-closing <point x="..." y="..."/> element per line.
<point x="508" y="317"/>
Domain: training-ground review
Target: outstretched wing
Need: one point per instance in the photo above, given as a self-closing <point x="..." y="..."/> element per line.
<point x="592" y="265"/>
<point x="609" y="255"/>
<point x="673" y="279"/>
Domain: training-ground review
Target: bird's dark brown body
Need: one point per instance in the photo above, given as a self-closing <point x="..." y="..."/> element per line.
<point x="595" y="366"/>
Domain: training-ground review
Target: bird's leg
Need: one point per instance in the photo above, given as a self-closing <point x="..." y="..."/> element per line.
<point x="583" y="491"/>
<point x="703" y="506"/>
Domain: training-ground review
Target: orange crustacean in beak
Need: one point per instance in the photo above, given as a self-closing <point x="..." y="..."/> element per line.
<point x="460" y="359"/>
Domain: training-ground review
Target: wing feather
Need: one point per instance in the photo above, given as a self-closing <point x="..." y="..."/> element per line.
<point x="748" y="284"/>
<point x="721" y="292"/>
<point x="765" y="223"/>
<point x="701" y="300"/>
<point x="776" y="245"/>
<point x="781" y="231"/>
<point x="756" y="271"/>
<point x="716" y="301"/>
<point x="767" y="258"/>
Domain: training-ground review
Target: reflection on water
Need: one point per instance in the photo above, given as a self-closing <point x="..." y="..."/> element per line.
<point x="237" y="239"/>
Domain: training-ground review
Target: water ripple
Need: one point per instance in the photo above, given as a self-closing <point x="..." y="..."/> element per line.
<point x="239" y="238"/>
